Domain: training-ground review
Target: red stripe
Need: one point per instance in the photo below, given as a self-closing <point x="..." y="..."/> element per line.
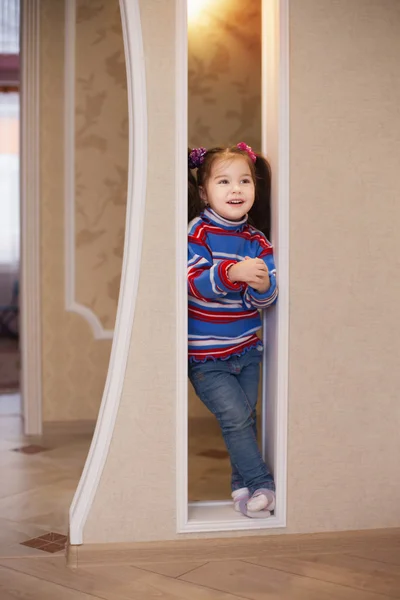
<point x="207" y="315"/>
<point x="223" y="267"/>
<point x="266" y="252"/>
<point x="192" y="275"/>
<point x="215" y="319"/>
<point x="200" y="233"/>
<point x="193" y="290"/>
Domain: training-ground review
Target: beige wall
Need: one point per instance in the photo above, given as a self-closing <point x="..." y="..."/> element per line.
<point x="344" y="442"/>
<point x="344" y="382"/>
<point x="74" y="363"/>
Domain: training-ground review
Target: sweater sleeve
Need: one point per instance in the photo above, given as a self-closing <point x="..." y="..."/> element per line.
<point x="253" y="298"/>
<point x="208" y="280"/>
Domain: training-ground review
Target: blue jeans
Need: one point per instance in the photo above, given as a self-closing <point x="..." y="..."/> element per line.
<point x="229" y="389"/>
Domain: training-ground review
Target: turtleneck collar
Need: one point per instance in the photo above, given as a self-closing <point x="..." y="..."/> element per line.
<point x="212" y="217"/>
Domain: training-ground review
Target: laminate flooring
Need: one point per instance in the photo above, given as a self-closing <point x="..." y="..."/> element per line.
<point x="38" y="479"/>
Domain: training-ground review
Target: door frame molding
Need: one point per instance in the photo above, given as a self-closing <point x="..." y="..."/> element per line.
<point x="213" y="515"/>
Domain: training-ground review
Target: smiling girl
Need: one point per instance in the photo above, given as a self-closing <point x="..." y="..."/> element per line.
<point x="231" y="277"/>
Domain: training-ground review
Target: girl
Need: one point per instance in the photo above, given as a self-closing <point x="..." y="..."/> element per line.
<point x="231" y="277"/>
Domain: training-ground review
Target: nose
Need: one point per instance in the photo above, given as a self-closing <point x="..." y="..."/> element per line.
<point x="236" y="188"/>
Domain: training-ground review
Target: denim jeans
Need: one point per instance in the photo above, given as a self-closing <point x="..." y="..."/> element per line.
<point x="229" y="389"/>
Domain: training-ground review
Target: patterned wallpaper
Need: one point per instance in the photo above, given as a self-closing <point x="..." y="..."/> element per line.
<point x="225" y="74"/>
<point x="74" y="364"/>
<point x="224" y="107"/>
<point x="101" y="156"/>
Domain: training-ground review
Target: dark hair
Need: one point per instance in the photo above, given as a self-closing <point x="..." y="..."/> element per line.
<point x="260" y="212"/>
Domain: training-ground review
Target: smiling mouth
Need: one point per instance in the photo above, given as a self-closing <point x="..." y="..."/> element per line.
<point x="235" y="202"/>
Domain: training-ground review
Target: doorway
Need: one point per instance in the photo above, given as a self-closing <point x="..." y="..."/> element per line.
<point x="10" y="398"/>
<point x="224" y="108"/>
<point x="261" y="119"/>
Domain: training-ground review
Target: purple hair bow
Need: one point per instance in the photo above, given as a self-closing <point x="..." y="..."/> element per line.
<point x="196" y="157"/>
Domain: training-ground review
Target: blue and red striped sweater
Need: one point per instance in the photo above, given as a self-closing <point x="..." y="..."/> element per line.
<point x="224" y="316"/>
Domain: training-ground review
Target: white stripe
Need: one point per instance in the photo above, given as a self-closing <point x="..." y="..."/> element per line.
<point x="213" y="284"/>
<point x="221" y="221"/>
<point x="222" y="303"/>
<point x="197" y="259"/>
<point x="263" y="303"/>
<point x="226" y="255"/>
<point x="217" y="343"/>
<point x="192" y="222"/>
<point x="247" y="299"/>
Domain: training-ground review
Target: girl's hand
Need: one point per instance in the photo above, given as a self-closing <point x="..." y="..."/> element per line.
<point x="252" y="271"/>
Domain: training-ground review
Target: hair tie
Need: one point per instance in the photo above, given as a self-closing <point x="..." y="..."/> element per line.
<point x="248" y="149"/>
<point x="196" y="157"/>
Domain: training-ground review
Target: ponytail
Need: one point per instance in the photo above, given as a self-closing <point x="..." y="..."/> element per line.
<point x="260" y="212"/>
<point x="195" y="205"/>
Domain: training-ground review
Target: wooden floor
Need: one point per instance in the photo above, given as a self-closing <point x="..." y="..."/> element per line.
<point x="36" y="488"/>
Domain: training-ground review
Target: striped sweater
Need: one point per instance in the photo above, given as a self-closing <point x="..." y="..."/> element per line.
<point x="224" y="316"/>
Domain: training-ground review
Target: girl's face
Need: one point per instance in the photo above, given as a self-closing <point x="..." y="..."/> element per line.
<point x="229" y="190"/>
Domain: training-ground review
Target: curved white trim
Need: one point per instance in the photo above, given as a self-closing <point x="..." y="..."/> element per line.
<point x="137" y="102"/>
<point x="217" y="516"/>
<point x="31" y="345"/>
<point x="71" y="304"/>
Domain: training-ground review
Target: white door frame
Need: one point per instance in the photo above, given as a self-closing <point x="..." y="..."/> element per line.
<point x="218" y="516"/>
<point x="30" y="277"/>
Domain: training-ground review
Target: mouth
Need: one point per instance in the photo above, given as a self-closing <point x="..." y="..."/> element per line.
<point x="236" y="202"/>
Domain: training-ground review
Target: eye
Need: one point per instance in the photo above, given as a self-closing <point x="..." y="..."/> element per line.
<point x="223" y="181"/>
<point x="246" y="180"/>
